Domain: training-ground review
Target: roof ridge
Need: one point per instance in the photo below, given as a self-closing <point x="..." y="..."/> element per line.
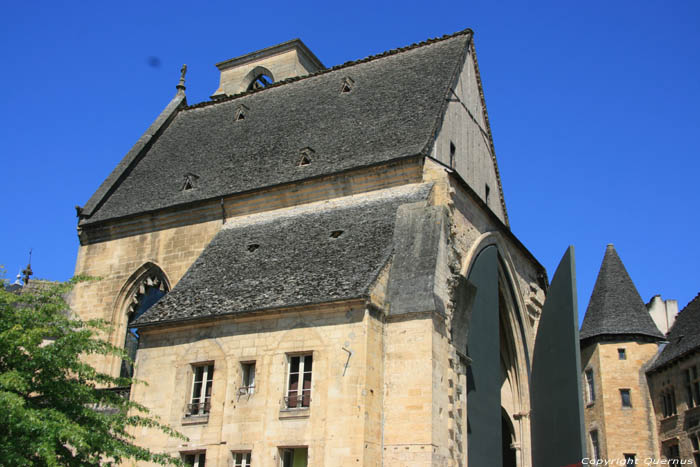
<point x="369" y="58"/>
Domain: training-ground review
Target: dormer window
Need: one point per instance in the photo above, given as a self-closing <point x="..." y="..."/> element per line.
<point x="189" y="182"/>
<point x="240" y="113"/>
<point x="305" y="157"/>
<point x="347" y="86"/>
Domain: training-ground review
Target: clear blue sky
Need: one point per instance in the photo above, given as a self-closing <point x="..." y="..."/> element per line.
<point x="594" y="108"/>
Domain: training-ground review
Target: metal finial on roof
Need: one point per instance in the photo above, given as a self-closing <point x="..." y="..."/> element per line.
<point x="28" y="270"/>
<point x="181" y="85"/>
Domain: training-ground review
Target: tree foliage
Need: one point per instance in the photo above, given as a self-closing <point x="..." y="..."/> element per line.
<point x="49" y="395"/>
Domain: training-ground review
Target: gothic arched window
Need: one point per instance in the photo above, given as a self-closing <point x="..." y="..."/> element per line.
<point x="146" y="294"/>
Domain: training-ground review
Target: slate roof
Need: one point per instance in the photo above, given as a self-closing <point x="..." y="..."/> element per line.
<point x="392" y="112"/>
<point x="297" y="261"/>
<point x="684" y="336"/>
<point x="615" y="308"/>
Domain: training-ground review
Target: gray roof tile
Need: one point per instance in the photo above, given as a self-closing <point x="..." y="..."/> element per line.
<point x="684" y="336"/>
<point x="392" y="112"/>
<point x="615" y="308"/>
<point x="297" y="261"/>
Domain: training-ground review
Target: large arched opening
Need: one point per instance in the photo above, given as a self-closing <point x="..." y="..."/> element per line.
<point x="140" y="292"/>
<point x="497" y="403"/>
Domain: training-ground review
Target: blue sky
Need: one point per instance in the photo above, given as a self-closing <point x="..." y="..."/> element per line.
<point x="594" y="108"/>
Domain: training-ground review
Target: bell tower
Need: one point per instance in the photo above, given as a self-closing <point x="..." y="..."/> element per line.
<point x="264" y="67"/>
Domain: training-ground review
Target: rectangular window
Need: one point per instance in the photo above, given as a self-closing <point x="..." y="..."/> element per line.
<point x="668" y="401"/>
<point x="590" y="385"/>
<point x="692" y="386"/>
<point x="673" y="453"/>
<point x="299" y="381"/>
<point x="621" y="354"/>
<point x="294" y="457"/>
<point x="595" y="447"/>
<point x="695" y="441"/>
<point x="196" y="459"/>
<point x="630" y="459"/>
<point x="626" y="398"/>
<point x="248" y="380"/>
<point x="241" y="459"/>
<point x="200" y="398"/>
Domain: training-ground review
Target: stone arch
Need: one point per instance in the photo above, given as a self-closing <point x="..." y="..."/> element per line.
<point x="254" y="74"/>
<point x="140" y="291"/>
<point x="516" y="344"/>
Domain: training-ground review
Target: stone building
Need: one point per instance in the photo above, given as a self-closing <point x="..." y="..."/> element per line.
<point x="292" y="266"/>
<point x="640" y="392"/>
<point x="674" y="382"/>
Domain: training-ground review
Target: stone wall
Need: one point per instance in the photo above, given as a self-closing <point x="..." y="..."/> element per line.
<point x="621" y="430"/>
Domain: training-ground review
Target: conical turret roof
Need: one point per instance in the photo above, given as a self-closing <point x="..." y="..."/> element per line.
<point x="615" y="308"/>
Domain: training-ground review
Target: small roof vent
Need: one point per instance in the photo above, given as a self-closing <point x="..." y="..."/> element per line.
<point x="189" y="182"/>
<point x="305" y="156"/>
<point x="252" y="247"/>
<point x="347" y="85"/>
<point x="336" y="233"/>
<point x="240" y="113"/>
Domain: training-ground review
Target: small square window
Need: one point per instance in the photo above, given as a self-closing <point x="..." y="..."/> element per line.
<point x="626" y="398"/>
<point x="248" y="379"/>
<point x="621" y="354"/>
<point x="241" y="458"/>
<point x="294" y="457"/>
<point x="195" y="459"/>
<point x="630" y="459"/>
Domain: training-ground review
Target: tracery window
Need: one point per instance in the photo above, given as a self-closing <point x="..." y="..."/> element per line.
<point x="150" y="290"/>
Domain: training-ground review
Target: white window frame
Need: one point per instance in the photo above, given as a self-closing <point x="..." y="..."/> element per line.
<point x="203" y="401"/>
<point x="198" y="460"/>
<point x="300" y="381"/>
<point x="247" y="378"/>
<point x="245" y="458"/>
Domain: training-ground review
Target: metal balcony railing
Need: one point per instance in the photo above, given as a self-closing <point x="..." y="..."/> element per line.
<point x="198" y="408"/>
<point x="296" y="401"/>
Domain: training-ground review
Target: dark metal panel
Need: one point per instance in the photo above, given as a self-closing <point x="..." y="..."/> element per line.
<point x="555" y="387"/>
<point x="484" y="373"/>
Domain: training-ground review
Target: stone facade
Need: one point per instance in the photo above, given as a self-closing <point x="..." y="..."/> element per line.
<point x="388" y="385"/>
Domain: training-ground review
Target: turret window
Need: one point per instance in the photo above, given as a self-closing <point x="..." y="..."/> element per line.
<point x="622" y="354"/>
<point x="626" y="398"/>
<point x="590" y="386"/>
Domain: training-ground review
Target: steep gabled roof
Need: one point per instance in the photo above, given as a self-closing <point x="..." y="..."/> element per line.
<point x="684" y="336"/>
<point x="615" y="308"/>
<point x="392" y="112"/>
<point x="323" y="252"/>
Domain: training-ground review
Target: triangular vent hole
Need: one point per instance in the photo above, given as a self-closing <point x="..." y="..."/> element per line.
<point x="304" y="161"/>
<point x="252" y="247"/>
<point x="336" y="233"/>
